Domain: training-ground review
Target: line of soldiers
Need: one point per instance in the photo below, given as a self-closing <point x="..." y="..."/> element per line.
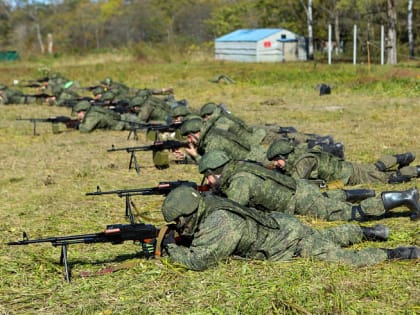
<point x="250" y="209"/>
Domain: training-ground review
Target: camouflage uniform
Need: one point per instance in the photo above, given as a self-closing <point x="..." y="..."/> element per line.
<point x="237" y="148"/>
<point x="316" y="164"/>
<point x="223" y="228"/>
<point x="9" y="96"/>
<point x="217" y="116"/>
<point x="255" y="186"/>
<point x="221" y="119"/>
<point x="101" y="118"/>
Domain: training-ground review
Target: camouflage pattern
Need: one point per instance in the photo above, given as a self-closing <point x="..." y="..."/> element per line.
<point x="255" y="186"/>
<point x="154" y="109"/>
<point x="9" y="96"/>
<point x="238" y="149"/>
<point x="316" y="164"/>
<point x="101" y="118"/>
<point x="223" y="228"/>
<point x="223" y="120"/>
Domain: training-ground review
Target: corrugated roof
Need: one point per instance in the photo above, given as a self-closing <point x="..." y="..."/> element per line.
<point x="248" y="35"/>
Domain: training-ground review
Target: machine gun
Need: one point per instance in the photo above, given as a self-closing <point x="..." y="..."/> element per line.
<point x="151" y="127"/>
<point x="155" y="147"/>
<point x="114" y="234"/>
<point x="70" y="123"/>
<point x="163" y="188"/>
<point x="33" y="83"/>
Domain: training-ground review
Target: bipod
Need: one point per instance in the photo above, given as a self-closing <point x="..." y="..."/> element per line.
<point x="63" y="261"/>
<point x="133" y="161"/>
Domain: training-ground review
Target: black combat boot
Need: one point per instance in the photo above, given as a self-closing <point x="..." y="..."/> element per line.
<point x="357" y="195"/>
<point x="398" y="178"/>
<point x="405" y="159"/>
<point x="378" y="232"/>
<point x="418" y="170"/>
<point x="403" y="252"/>
<point x="408" y="198"/>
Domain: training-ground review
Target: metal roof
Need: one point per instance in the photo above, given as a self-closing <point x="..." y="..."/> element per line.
<point x="248" y="35"/>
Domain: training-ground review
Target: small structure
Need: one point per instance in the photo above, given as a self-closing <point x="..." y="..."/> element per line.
<point x="8" y="55"/>
<point x="261" y="45"/>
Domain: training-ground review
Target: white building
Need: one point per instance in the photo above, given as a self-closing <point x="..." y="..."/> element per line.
<point x="261" y="45"/>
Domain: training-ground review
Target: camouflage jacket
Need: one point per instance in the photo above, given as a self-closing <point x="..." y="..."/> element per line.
<point x="238" y="149"/>
<point x="316" y="164"/>
<point x="225" y="228"/>
<point x="101" y="118"/>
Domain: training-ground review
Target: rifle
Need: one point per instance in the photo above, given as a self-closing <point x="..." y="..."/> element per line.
<point x="155" y="147"/>
<point x="90" y="88"/>
<point x="34" y="83"/>
<point x="114" y="234"/>
<point x="70" y="123"/>
<point x="163" y="188"/>
<point x="286" y="130"/>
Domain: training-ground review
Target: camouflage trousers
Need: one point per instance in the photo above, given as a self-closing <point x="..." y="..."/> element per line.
<point x="308" y="200"/>
<point x="327" y="245"/>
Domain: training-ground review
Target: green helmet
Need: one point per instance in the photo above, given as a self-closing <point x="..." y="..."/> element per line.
<point x="180" y="110"/>
<point x="98" y="90"/>
<point x="279" y="149"/>
<point x="3" y="87"/>
<point x="81" y="106"/>
<point x="144" y="93"/>
<point x="207" y="109"/>
<point x="107" y="81"/>
<point x="108" y="96"/>
<point x="181" y="201"/>
<point x="213" y="160"/>
<point x="191" y="126"/>
<point x="137" y="101"/>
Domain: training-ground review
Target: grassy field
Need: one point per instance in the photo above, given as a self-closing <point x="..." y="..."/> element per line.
<point x="44" y="178"/>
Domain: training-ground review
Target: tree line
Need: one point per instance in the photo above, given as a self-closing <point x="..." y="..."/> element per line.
<point x="68" y="26"/>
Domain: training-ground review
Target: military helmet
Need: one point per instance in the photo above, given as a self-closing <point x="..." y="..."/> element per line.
<point x="3" y="87"/>
<point x="98" y="90"/>
<point x="81" y="106"/>
<point x="181" y="201"/>
<point x="207" y="109"/>
<point x="107" y="81"/>
<point x="279" y="149"/>
<point x="108" y="96"/>
<point x="137" y="101"/>
<point x="144" y="93"/>
<point x="212" y="161"/>
<point x="180" y="110"/>
<point x="191" y="126"/>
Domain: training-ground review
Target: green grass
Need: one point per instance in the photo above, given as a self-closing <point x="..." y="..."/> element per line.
<point x="373" y="112"/>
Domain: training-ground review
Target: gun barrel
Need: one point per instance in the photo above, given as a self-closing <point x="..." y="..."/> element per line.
<point x="115" y="234"/>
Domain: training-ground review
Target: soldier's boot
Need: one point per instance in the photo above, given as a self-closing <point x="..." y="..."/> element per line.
<point x="408" y="198"/>
<point x="405" y="159"/>
<point x="418" y="170"/>
<point x="378" y="232"/>
<point x="398" y="178"/>
<point x="403" y="252"/>
<point x="357" y="195"/>
<point x="402" y="160"/>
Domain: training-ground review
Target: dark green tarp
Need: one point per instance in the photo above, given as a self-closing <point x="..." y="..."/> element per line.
<point x="8" y="55"/>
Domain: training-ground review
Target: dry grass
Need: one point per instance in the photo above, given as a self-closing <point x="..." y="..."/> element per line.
<point x="372" y="113"/>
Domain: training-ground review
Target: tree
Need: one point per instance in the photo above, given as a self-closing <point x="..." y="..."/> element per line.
<point x="392" y="32"/>
<point x="410" y="29"/>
